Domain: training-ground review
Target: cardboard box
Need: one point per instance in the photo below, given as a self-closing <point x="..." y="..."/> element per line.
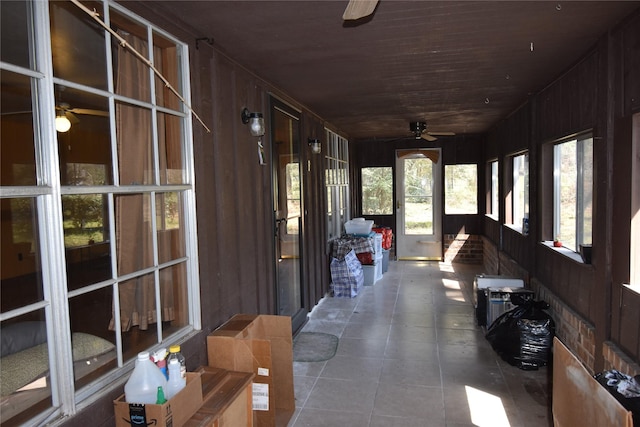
<point x="579" y="399"/>
<point x="173" y="413"/>
<point x="262" y="345"/>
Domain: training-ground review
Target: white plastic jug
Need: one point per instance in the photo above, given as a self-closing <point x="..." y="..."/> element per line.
<point x="142" y="386"/>
<point x="176" y="381"/>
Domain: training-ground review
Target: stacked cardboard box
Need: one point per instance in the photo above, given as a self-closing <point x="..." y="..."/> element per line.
<point x="262" y="345"/>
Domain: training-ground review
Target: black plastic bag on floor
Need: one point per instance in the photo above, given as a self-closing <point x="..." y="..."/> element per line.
<point x="625" y="388"/>
<point x="523" y="337"/>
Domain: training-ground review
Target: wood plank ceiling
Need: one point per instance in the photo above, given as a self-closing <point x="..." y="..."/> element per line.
<point x="459" y="65"/>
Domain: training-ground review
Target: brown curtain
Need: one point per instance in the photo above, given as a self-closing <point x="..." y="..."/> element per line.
<point x="133" y="211"/>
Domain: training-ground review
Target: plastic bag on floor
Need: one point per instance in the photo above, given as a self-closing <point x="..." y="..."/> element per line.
<point x="523" y="337"/>
<point x="625" y="388"/>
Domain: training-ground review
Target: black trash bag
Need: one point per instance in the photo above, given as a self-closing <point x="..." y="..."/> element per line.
<point x="625" y="388"/>
<point x="523" y="336"/>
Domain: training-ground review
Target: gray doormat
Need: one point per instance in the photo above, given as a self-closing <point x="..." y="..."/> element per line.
<point x="314" y="347"/>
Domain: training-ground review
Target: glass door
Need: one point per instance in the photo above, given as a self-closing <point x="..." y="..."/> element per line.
<point x="287" y="200"/>
<point x="418" y="204"/>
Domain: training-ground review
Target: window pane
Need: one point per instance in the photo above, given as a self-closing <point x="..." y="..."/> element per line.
<point x="133" y="233"/>
<point x="25" y="391"/>
<point x="461" y="189"/>
<point x="293" y="197"/>
<point x="377" y="191"/>
<point x="16" y="130"/>
<point x="21" y="271"/>
<point x="418" y="192"/>
<point x="173" y="298"/>
<point x="138" y="314"/>
<point x="86" y="239"/>
<point x="170" y="146"/>
<point x="169" y="227"/>
<point x="85" y="149"/>
<point x="495" y="211"/>
<point x="166" y="59"/>
<point x="586" y="202"/>
<point x="93" y="343"/>
<point x="130" y="73"/>
<point x="78" y="45"/>
<point x="15" y="30"/>
<point x="135" y="154"/>
<point x="568" y="179"/>
<point x="520" y="189"/>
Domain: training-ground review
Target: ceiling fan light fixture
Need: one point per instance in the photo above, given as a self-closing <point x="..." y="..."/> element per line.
<point x="63" y="124"/>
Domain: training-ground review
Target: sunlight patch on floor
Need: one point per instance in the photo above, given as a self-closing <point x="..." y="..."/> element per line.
<point x="486" y="409"/>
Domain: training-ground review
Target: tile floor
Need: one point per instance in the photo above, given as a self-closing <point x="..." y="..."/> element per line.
<point x="410" y="354"/>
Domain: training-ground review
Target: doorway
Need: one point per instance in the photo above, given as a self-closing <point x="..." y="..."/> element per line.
<point x="287" y="208"/>
<point x="418" y="204"/>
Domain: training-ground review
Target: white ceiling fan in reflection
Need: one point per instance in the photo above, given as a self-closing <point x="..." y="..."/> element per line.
<point x="67" y="116"/>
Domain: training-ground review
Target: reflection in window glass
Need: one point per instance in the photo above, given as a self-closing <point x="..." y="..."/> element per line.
<point x="85" y="63"/>
<point x="138" y="314"/>
<point x="17" y="152"/>
<point x="25" y="338"/>
<point x="293" y="197"/>
<point x="460" y="189"/>
<point x="21" y="272"/>
<point x="94" y="351"/>
<point x="377" y="191"/>
<point x="15" y="32"/>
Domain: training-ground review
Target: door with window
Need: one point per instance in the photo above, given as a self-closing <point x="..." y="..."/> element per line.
<point x="287" y="207"/>
<point x="418" y="204"/>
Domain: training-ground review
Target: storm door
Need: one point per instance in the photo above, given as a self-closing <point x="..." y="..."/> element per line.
<point x="419" y="204"/>
<point x="287" y="201"/>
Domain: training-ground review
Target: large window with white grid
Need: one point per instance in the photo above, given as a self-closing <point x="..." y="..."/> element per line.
<point x="98" y="238"/>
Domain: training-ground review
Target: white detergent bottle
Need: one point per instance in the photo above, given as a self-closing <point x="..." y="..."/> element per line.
<point x="142" y="386"/>
<point x="176" y="381"/>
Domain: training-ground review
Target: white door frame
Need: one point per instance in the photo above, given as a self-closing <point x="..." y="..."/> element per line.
<point x="419" y="246"/>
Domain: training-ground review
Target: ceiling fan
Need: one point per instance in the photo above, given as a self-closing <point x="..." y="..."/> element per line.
<point x="419" y="131"/>
<point x="357" y="9"/>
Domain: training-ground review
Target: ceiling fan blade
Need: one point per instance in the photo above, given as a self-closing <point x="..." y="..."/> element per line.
<point x="428" y="137"/>
<point x="72" y="117"/>
<point x="442" y="133"/>
<point x="89" y="112"/>
<point x="357" y="9"/>
<point x="12" y="113"/>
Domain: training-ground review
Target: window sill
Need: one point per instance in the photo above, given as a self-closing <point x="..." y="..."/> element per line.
<point x="564" y="251"/>
<point x="493" y="217"/>
<point x="516" y="228"/>
<point x="632" y="288"/>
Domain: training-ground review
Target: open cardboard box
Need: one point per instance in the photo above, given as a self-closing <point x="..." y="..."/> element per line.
<point x="174" y="413"/>
<point x="262" y="345"/>
<point x="579" y="399"/>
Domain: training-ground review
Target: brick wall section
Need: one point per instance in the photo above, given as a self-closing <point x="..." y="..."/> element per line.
<point x="614" y="358"/>
<point x="571" y="329"/>
<point x="490" y="261"/>
<point x="463" y="248"/>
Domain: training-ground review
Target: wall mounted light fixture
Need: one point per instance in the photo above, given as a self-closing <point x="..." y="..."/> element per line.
<point x="315" y="144"/>
<point x="63" y="124"/>
<point x="255" y="120"/>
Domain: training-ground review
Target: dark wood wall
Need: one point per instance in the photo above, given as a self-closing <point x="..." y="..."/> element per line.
<point x="463" y="149"/>
<point x="598" y="94"/>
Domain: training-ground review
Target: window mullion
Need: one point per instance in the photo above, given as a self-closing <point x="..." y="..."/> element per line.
<point x="50" y="229"/>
